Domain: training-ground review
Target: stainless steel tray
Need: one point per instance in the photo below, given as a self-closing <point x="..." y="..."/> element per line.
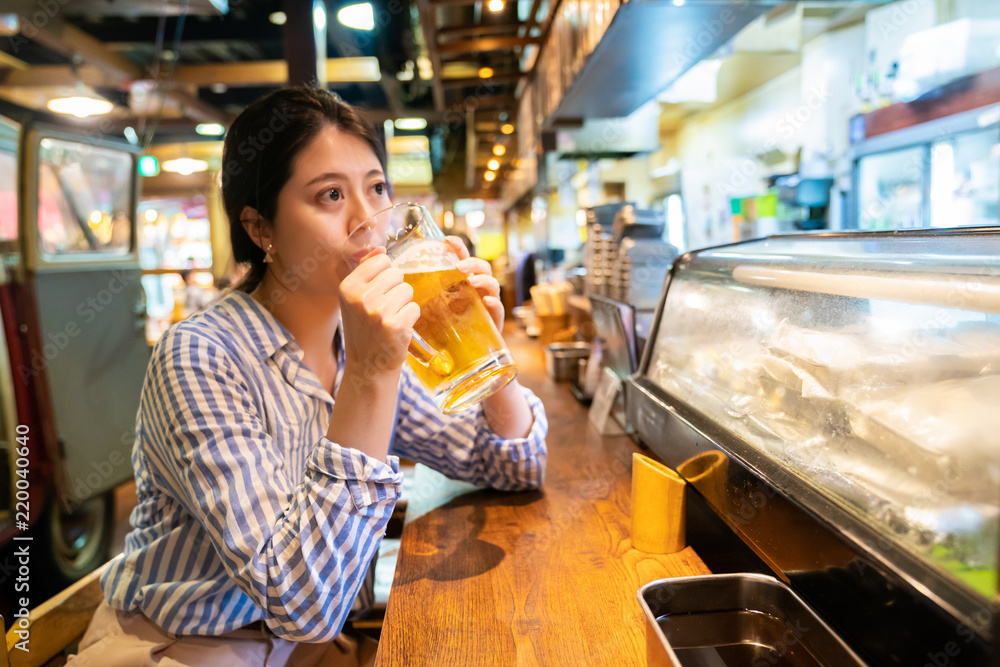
<point x="736" y="619"/>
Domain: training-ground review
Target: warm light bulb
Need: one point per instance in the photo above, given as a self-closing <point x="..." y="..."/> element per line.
<point x="485" y="72"/>
<point x="493" y="165"/>
<point x="490" y="176"/>
<point x="80" y="106"/>
<point x="185" y="166"/>
<point x="209" y="129"/>
<point x="359" y="17"/>
<point x="507" y="128"/>
<point x="410" y="123"/>
<point x="499" y="150"/>
<point x="495" y="6"/>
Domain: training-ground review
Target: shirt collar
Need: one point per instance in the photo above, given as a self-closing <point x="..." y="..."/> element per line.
<point x="264" y="334"/>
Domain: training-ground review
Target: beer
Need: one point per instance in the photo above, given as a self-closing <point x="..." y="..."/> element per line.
<point x="456" y="350"/>
<point x="455" y="323"/>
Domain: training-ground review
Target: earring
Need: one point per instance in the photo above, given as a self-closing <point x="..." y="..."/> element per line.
<point x="267" y="254"/>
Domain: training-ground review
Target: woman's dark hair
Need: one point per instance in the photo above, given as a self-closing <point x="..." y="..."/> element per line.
<point x="260" y="149"/>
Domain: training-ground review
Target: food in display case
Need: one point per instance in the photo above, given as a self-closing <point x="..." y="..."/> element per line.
<point x="870" y="373"/>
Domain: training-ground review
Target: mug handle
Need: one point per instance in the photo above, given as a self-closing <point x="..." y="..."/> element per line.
<point x="438" y="362"/>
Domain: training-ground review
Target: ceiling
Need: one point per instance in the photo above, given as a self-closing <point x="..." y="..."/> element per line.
<point x="168" y="65"/>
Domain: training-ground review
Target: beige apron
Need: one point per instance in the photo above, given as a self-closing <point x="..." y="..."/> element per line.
<point x="127" y="639"/>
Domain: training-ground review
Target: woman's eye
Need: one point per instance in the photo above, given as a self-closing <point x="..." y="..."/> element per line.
<point x="380" y="189"/>
<point x="334" y="195"/>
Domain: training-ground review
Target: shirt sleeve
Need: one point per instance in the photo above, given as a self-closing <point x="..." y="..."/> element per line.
<point x="298" y="550"/>
<point x="463" y="446"/>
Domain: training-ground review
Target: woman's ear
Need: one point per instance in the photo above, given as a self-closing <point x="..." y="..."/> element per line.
<point x="256" y="227"/>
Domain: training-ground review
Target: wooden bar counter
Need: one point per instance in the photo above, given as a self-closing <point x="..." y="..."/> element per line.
<point x="538" y="578"/>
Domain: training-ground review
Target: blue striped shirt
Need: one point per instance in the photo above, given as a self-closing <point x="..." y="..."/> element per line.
<point x="246" y="510"/>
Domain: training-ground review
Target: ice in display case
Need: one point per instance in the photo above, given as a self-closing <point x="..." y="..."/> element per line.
<point x="835" y="399"/>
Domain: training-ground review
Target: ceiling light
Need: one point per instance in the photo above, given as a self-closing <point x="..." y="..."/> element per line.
<point x="319" y="16"/>
<point x="185" y="166"/>
<point x="499" y="150"/>
<point x="359" y="17"/>
<point x="277" y="18"/>
<point x="507" y="128"/>
<point x="475" y="218"/>
<point x="96" y="217"/>
<point x="81" y="106"/>
<point x="495" y="6"/>
<point x="131" y="136"/>
<point x="210" y="129"/>
<point x="151" y="215"/>
<point x="410" y="123"/>
<point x="679" y="3"/>
<point x="490" y="176"/>
<point x="493" y="165"/>
<point x="485" y="72"/>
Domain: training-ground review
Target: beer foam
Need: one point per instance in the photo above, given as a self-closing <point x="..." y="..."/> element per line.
<point x="426" y="256"/>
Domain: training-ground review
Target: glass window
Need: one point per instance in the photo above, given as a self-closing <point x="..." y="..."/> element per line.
<point x="890" y="188"/>
<point x="83" y="199"/>
<point x="8" y="180"/>
<point x="965" y="180"/>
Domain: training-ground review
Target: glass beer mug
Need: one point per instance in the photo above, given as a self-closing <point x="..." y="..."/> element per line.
<point x="456" y="349"/>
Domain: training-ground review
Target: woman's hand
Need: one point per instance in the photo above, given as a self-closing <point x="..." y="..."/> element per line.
<point x="378" y="312"/>
<point x="480" y="277"/>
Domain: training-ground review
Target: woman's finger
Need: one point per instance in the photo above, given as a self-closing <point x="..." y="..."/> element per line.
<point x="495" y="309"/>
<point x="475" y="266"/>
<point x="384" y="281"/>
<point x="396" y="298"/>
<point x="485" y="285"/>
<point x="373" y="264"/>
<point x="458" y="246"/>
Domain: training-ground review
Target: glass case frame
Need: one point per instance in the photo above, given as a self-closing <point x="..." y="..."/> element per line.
<point x="798" y="528"/>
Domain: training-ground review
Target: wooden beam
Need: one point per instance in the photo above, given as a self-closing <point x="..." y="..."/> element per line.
<point x="492" y="82"/>
<point x="37" y="76"/>
<point x="485" y="44"/>
<point x="196" y="109"/>
<point x="70" y="41"/>
<point x="274" y="72"/>
<point x="7" y="60"/>
<point x="428" y="23"/>
<point x="460" y="32"/>
<point x="303" y="45"/>
<point x="234" y="75"/>
<point x="481" y="103"/>
<point x="65" y="39"/>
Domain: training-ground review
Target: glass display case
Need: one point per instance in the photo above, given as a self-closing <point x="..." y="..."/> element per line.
<point x="857" y="375"/>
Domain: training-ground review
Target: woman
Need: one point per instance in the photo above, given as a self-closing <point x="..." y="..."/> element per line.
<point x="262" y="500"/>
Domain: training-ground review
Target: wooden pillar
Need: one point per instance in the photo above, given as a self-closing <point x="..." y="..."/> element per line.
<point x="304" y="42"/>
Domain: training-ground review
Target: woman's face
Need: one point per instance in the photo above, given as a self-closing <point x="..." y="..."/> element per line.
<point x="336" y="183"/>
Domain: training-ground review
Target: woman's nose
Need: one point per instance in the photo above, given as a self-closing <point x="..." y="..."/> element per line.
<point x="361" y="211"/>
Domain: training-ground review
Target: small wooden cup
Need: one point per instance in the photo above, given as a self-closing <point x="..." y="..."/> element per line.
<point x="657" y="507"/>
